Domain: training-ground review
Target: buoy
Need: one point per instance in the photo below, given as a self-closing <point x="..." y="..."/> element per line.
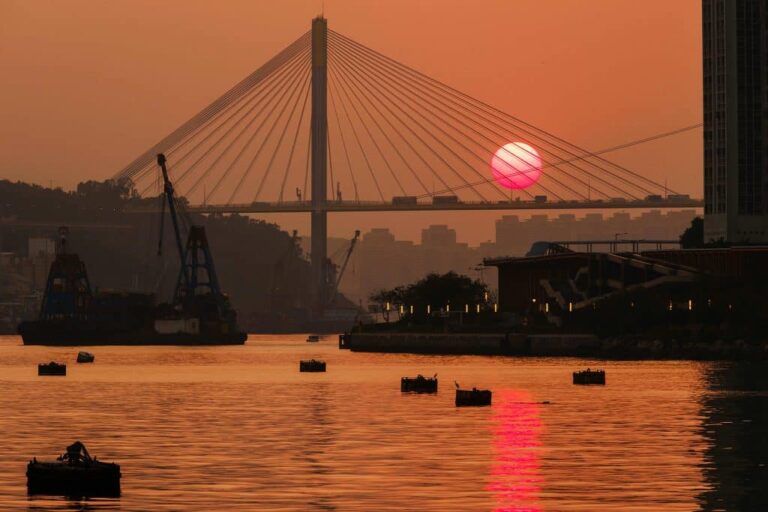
<point x="589" y="376"/>
<point x="418" y="384"/>
<point x="52" y="368"/>
<point x="473" y="397"/>
<point x="312" y="365"/>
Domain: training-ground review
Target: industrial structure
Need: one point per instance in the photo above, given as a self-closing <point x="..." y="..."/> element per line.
<point x="735" y="37"/>
<point x="198" y="314"/>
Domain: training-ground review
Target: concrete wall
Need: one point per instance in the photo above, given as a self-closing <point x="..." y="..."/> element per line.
<point x="473" y="344"/>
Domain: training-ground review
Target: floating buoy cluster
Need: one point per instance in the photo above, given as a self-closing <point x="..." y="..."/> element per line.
<point x="77" y="474"/>
<point x="60" y="369"/>
<point x="464" y="397"/>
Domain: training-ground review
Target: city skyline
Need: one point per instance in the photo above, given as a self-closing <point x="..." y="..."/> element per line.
<point x="382" y="259"/>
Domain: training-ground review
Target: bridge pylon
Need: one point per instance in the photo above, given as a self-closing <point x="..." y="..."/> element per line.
<point x="319" y="135"/>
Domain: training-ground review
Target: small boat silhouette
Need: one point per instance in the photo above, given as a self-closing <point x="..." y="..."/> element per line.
<point x="85" y="357"/>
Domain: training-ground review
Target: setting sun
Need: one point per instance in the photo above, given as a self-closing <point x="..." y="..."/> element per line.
<point x="516" y="166"/>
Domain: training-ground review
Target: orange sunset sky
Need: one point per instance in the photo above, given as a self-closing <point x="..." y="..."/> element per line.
<point x="88" y="85"/>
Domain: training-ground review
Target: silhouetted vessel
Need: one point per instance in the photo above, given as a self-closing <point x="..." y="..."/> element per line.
<point x="589" y="377"/>
<point x="418" y="384"/>
<point x="74" y="474"/>
<point x="52" y="368"/>
<point x="200" y="314"/>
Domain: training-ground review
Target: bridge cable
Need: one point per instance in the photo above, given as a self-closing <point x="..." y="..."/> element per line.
<point x="496" y="111"/>
<point x="421" y="139"/>
<point x="278" y="78"/>
<point x="264" y="142"/>
<point x="443" y="88"/>
<point x="366" y="91"/>
<point x="459" y="120"/>
<point x="375" y="144"/>
<point x="293" y="81"/>
<point x="235" y="92"/>
<point x="345" y="58"/>
<point x="389" y="141"/>
<point x="365" y="126"/>
<point x="293" y="145"/>
<point x="343" y="144"/>
<point x="405" y="140"/>
<point x="266" y="97"/>
<point x="621" y="146"/>
<point x="268" y="170"/>
<point x="424" y="117"/>
<point x="404" y="81"/>
<point x="307" y="168"/>
<point x="243" y="101"/>
<point x="332" y="84"/>
<point x="283" y="98"/>
<point x="282" y="71"/>
<point x="330" y="159"/>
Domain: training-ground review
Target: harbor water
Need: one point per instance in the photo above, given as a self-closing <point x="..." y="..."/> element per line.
<point x="239" y="428"/>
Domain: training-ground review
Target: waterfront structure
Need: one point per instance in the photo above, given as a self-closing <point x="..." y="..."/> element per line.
<point x="735" y="120"/>
<point x="702" y="290"/>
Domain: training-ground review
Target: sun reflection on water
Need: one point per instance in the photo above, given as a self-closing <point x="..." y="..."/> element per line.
<point x="515" y="476"/>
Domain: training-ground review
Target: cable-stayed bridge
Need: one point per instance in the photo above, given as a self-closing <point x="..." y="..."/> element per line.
<point x="330" y="125"/>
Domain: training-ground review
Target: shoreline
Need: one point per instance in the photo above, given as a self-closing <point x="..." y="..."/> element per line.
<point x="553" y="345"/>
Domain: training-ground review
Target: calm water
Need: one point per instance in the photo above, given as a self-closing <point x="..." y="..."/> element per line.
<point x="238" y="428"/>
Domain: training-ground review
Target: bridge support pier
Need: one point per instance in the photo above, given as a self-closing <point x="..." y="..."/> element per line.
<point x="319" y="128"/>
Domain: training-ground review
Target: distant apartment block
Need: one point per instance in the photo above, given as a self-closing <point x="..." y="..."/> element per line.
<point x="514" y="236"/>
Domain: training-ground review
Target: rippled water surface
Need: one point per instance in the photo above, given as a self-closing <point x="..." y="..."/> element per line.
<point x="239" y="428"/>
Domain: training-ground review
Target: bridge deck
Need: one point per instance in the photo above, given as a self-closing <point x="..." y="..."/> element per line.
<point x="378" y="206"/>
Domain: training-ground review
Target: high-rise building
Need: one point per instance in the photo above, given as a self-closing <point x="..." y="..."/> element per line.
<point x="735" y="36"/>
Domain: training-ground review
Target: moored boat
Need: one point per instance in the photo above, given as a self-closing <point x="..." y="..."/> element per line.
<point x="74" y="474"/>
